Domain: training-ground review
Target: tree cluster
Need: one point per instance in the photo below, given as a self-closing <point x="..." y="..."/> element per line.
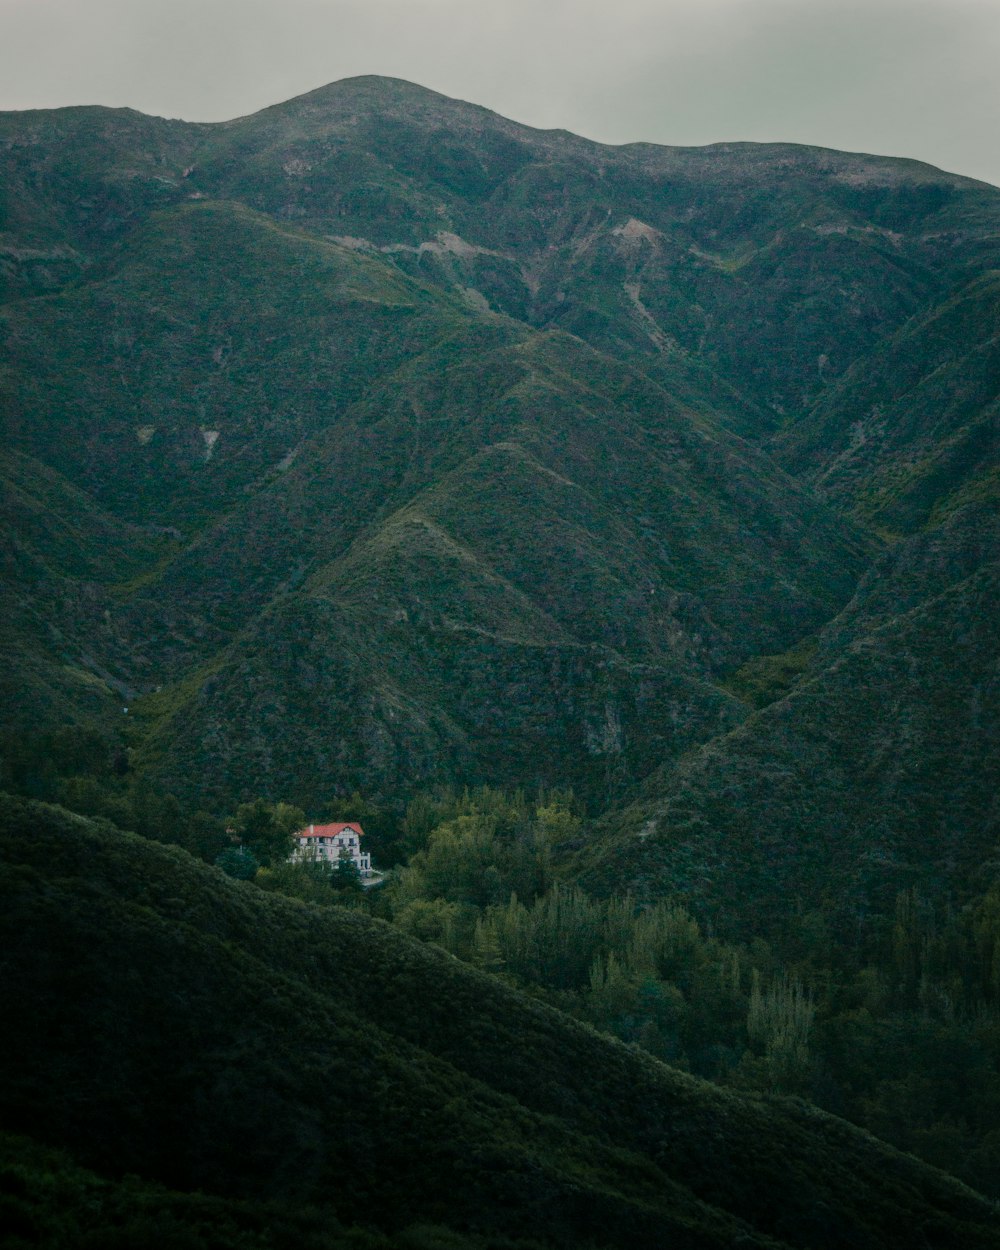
<point x="898" y="1030"/>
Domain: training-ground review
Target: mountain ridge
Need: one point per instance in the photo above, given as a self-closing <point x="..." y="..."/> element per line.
<point x="573" y="516"/>
<point x="338" y="361"/>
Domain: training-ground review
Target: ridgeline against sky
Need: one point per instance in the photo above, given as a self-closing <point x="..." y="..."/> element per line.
<point x="911" y="78"/>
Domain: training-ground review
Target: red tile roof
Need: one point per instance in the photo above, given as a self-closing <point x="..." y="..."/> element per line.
<point x="330" y="831"/>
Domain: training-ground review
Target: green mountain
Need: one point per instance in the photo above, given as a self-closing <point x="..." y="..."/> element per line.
<point x="912" y="434"/>
<point x="203" y="1035"/>
<point x="391" y="457"/>
<point x="666" y="252"/>
<point x="874" y="774"/>
<point x="374" y="440"/>
<point x="377" y="443"/>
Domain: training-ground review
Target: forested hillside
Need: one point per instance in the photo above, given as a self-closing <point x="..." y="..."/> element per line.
<point x="613" y="531"/>
<point x="207" y="1036"/>
<point x="459" y="406"/>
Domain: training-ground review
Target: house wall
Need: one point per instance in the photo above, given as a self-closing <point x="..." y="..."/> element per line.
<point x="329" y="850"/>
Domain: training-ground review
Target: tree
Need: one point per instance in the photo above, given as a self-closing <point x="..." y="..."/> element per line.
<point x="779" y="1022"/>
<point x="312" y="881"/>
<point x="237" y="862"/>
<point x="266" y="829"/>
<point x="430" y="920"/>
<point x="346" y="875"/>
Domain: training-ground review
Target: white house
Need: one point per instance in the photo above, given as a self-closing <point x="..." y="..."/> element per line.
<point x="330" y="843"/>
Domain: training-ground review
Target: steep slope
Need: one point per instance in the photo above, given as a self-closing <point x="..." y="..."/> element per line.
<point x="878" y="771"/>
<point x="917" y="428"/>
<point x="341" y="455"/>
<point x="568" y="620"/>
<point x="190" y="1029"/>
<point x="62" y="555"/>
<point x="774" y="266"/>
<point x="197" y="358"/>
<point x="565" y="596"/>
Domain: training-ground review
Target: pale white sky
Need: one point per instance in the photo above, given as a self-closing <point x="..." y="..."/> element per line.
<point x="899" y="77"/>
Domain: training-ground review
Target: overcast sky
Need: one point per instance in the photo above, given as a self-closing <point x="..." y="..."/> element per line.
<point x="900" y="77"/>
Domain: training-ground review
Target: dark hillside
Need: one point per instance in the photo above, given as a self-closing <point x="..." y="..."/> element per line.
<point x="189" y="1029"/>
<point x="876" y="773"/>
<point x="451" y="513"/>
<point x="904" y="437"/>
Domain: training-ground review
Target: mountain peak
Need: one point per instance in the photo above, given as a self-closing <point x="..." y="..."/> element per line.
<point x="370" y="93"/>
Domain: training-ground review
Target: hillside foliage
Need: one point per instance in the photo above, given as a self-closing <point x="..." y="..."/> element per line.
<point x="613" y="532"/>
<point x="211" y="1036"/>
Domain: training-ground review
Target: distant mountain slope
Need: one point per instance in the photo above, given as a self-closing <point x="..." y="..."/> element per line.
<point x="877" y="771"/>
<point x="165" y="1020"/>
<point x="451" y="449"/>
<point x="776" y="265"/>
<point x="451" y="512"/>
<point x="75" y="181"/>
<point x="565" y="596"/>
<point x="59" y="549"/>
<point x="773" y="265"/>
<point x="200" y="354"/>
<point x="919" y="425"/>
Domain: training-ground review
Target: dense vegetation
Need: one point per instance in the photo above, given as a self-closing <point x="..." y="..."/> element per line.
<point x="818" y="1011"/>
<point x="821" y="1010"/>
<point x="622" y="524"/>
<point x="205" y="1035"/>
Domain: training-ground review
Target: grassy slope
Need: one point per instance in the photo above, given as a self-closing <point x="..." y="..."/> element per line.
<point x="174" y="1023"/>
<point x="901" y="435"/>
